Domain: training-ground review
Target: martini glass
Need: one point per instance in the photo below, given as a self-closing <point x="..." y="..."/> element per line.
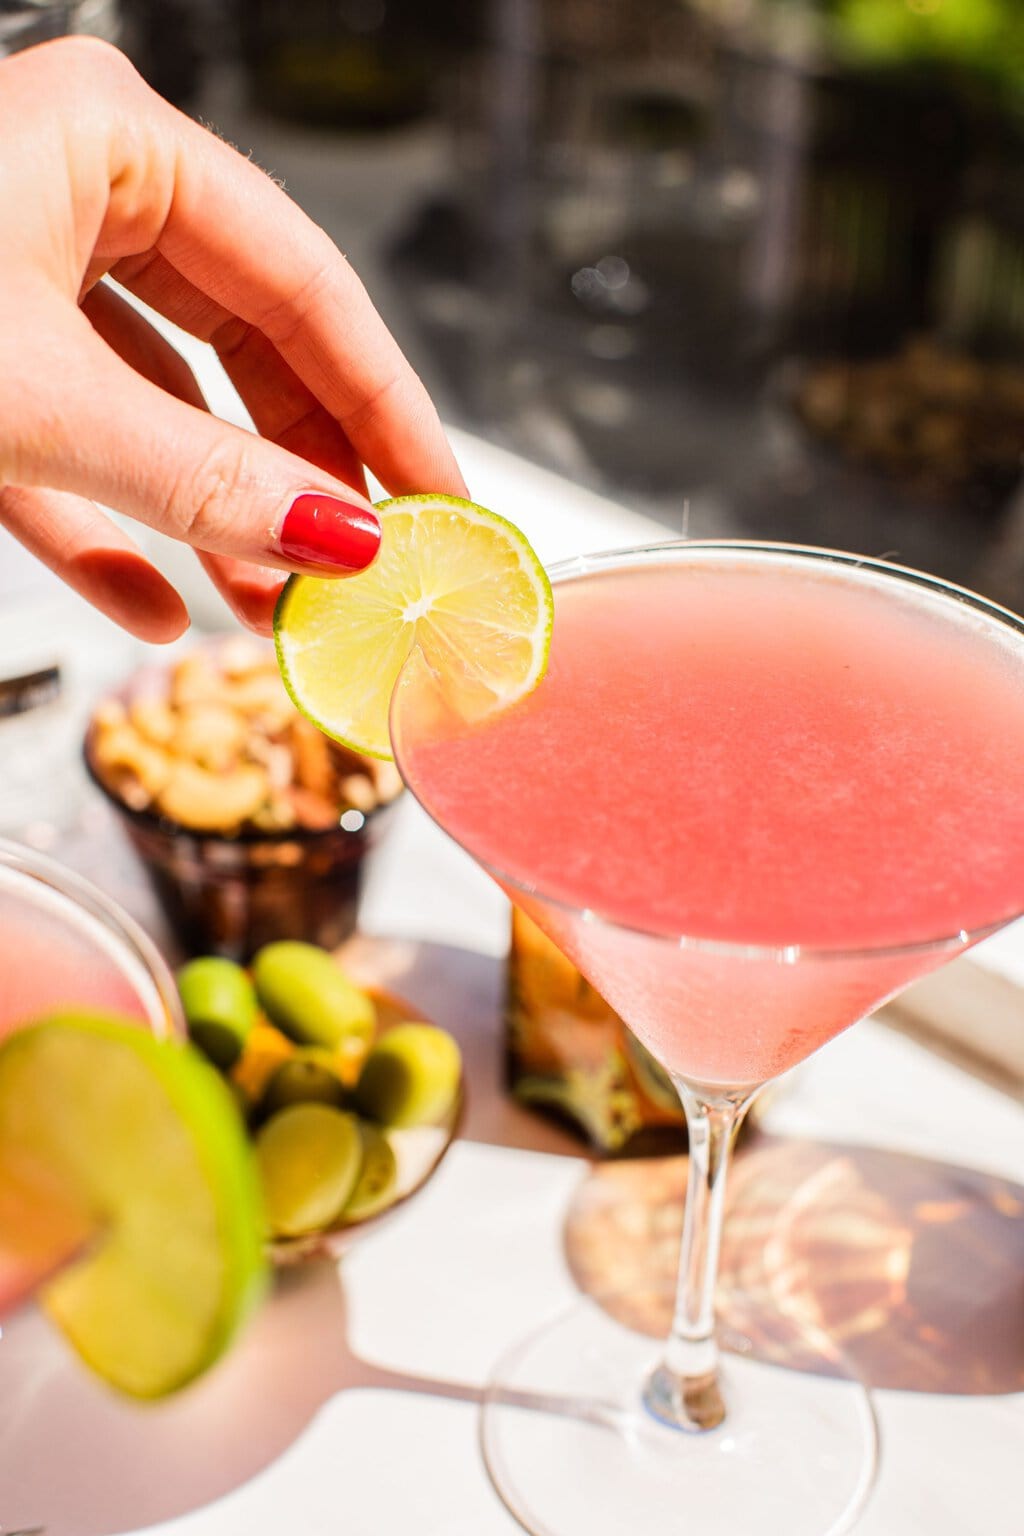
<point x="66" y="947"/>
<point x="761" y="789"/>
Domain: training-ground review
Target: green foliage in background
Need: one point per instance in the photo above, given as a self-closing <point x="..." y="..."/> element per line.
<point x="967" y="40"/>
<point x="979" y="35"/>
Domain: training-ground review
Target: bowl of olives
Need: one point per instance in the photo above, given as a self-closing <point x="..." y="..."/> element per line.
<point x="351" y="1100"/>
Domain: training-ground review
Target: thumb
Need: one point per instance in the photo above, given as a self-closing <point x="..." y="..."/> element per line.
<point x="116" y="438"/>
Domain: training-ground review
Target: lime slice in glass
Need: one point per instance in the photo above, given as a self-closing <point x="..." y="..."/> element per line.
<point x="127" y="1154"/>
<point x="455" y="580"/>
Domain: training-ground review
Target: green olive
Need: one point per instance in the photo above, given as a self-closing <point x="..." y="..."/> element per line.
<point x="411" y="1076"/>
<point x="308" y="1077"/>
<point x="377" y="1184"/>
<point x="309" y="1157"/>
<point x="306" y="994"/>
<point x="220" y="1007"/>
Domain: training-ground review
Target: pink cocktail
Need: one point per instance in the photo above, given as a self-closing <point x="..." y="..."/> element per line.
<point x="760" y="790"/>
<point x="778" y="758"/>
<point x="66" y="947"/>
<point x="47" y="967"/>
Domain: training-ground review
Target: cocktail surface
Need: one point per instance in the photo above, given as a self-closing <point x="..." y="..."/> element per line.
<point x="755" y="749"/>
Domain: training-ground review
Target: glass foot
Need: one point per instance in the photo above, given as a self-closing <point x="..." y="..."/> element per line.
<point x="574" y="1450"/>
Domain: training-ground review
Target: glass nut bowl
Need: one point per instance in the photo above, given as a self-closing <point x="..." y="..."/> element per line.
<point x="251" y="826"/>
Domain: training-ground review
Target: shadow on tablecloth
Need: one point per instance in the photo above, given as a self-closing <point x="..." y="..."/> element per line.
<point x="914" y="1268"/>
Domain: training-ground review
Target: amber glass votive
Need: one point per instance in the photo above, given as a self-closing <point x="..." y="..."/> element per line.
<point x="570" y="1055"/>
<point x="230" y="895"/>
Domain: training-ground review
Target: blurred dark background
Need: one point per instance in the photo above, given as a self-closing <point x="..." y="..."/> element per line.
<point x="753" y="266"/>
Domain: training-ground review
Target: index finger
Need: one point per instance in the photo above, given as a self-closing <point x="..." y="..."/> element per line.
<point x="238" y="238"/>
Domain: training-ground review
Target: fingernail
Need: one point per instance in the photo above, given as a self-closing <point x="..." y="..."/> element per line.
<point x="328" y="534"/>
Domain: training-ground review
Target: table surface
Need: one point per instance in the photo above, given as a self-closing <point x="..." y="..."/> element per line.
<point x="351" y="1403"/>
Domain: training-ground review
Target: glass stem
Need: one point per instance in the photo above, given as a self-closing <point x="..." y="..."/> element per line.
<point x="684" y="1390"/>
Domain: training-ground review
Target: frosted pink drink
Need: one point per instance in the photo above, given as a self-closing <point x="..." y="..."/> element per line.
<point x="43" y="973"/>
<point x="63" y="948"/>
<point x="813" y="761"/>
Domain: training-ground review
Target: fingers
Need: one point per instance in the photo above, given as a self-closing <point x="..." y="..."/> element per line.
<point x="74" y="538"/>
<point x="82" y="546"/>
<point x="144" y="349"/>
<point x="88" y="423"/>
<point x="282" y="408"/>
<point x="74" y="418"/>
<point x="250" y="591"/>
<point x="236" y="238"/>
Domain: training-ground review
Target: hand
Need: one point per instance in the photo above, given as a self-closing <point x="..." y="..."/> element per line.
<point x="99" y="176"/>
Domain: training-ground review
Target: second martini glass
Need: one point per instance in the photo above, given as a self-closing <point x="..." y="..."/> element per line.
<point x="66" y="946"/>
<point x="761" y="789"/>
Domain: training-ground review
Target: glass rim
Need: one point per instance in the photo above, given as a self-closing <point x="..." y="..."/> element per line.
<point x="581" y="565"/>
<point x="69" y="884"/>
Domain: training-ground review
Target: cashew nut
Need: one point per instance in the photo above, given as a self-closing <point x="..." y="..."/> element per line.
<point x="108" y="713"/>
<point x="313" y="768"/>
<point x="386" y="779"/>
<point x="311" y="810"/>
<point x="195" y="680"/>
<point x="213" y="802"/>
<point x="227" y="747"/>
<point x="212" y="734"/>
<point x="260" y="694"/>
<point x="154" y="719"/>
<point x="358" y="791"/>
<point x="122" y="748"/>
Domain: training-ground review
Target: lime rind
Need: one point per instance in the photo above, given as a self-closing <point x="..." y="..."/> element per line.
<point x="149" y="1139"/>
<point x="486" y="617"/>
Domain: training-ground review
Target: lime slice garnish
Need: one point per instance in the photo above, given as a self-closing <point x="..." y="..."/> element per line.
<point x="137" y="1146"/>
<point x="458" y="581"/>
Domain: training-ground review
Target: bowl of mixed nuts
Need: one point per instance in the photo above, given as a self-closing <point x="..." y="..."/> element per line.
<point x="251" y="825"/>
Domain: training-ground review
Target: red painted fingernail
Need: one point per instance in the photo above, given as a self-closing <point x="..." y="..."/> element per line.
<point x="328" y="534"/>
